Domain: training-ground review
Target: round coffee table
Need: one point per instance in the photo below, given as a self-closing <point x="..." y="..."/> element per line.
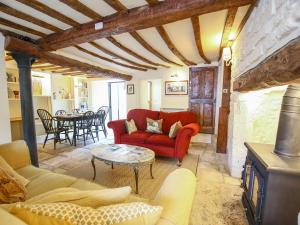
<point x="122" y="154"/>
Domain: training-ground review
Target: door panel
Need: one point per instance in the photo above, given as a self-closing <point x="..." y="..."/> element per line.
<point x="202" y="96"/>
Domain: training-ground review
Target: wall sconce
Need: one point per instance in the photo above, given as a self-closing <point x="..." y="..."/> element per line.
<point x="227" y="56"/>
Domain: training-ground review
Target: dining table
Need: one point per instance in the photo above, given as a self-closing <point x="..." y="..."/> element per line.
<point x="75" y="118"/>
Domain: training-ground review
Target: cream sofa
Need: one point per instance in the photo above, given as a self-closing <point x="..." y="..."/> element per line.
<point x="175" y="196"/>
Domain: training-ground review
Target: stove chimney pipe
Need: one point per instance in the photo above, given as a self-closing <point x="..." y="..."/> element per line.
<point x="288" y="133"/>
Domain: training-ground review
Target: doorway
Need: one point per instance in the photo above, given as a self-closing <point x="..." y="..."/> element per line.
<point x="117" y="100"/>
<point x="202" y="96"/>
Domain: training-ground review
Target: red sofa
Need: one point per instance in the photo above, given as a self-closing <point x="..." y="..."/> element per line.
<point x="161" y="144"/>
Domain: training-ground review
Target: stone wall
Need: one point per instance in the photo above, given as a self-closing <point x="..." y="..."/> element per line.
<point x="254" y="116"/>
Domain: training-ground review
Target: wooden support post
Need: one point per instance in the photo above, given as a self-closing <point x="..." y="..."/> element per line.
<point x="24" y="62"/>
<point x="224" y="112"/>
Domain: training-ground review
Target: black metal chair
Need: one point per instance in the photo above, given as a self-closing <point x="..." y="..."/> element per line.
<point x="85" y="125"/>
<point x="76" y="111"/>
<point x="99" y="122"/>
<point x="60" y="112"/>
<point x="52" y="126"/>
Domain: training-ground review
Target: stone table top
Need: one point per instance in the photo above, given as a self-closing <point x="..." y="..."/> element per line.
<point x="123" y="154"/>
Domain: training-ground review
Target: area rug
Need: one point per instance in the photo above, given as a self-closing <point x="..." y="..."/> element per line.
<point x="124" y="175"/>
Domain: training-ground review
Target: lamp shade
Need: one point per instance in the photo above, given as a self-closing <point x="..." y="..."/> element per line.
<point x="226" y="54"/>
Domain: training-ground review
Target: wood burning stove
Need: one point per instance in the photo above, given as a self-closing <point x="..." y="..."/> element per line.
<point x="271" y="176"/>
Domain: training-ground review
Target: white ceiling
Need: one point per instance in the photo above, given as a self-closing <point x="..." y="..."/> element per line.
<point x="180" y="32"/>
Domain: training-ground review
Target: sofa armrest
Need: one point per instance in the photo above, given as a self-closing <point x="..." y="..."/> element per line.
<point x="16" y="154"/>
<point x="118" y="127"/>
<point x="183" y="139"/>
<point x="176" y="197"/>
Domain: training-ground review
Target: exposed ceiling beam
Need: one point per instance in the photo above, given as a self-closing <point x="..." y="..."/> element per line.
<point x="147" y="46"/>
<point x="46" y="67"/>
<point x="152" y="2"/>
<point x="82" y="8"/>
<point x="13" y="34"/>
<point x="107" y="59"/>
<point x="16" y="13"/>
<point x="116" y="5"/>
<point x="227" y="28"/>
<point x="197" y="36"/>
<point x="49" y="11"/>
<point x="281" y="68"/>
<point x="107" y="51"/>
<point x="73" y="73"/>
<point x="63" y="70"/>
<point x="16" y="45"/>
<point x="21" y="27"/>
<point x="246" y="17"/>
<point x="130" y="52"/>
<point x="172" y="47"/>
<point x="137" y="19"/>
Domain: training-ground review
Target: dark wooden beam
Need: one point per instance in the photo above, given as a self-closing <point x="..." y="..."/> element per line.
<point x="152" y="2"/>
<point x="107" y="51"/>
<point x="280" y="68"/>
<point x="16" y="13"/>
<point x="16" y="45"/>
<point x="197" y="36"/>
<point x="224" y="110"/>
<point x="46" y="67"/>
<point x="73" y="73"/>
<point x="147" y="46"/>
<point x="13" y="34"/>
<point x="107" y="59"/>
<point x="116" y="5"/>
<point x="227" y="28"/>
<point x="244" y="20"/>
<point x="172" y="47"/>
<point x="21" y="27"/>
<point x="136" y="19"/>
<point x="82" y="8"/>
<point x="49" y="11"/>
<point x="130" y="52"/>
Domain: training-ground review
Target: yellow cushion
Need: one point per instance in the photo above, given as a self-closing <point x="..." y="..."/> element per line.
<point x="135" y="213"/>
<point x="93" y="198"/>
<point x="10" y="171"/>
<point x="31" y="172"/>
<point x="11" y="190"/>
<point x="47" y="182"/>
<point x="7" y="218"/>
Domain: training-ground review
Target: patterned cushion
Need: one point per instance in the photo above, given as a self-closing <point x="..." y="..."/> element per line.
<point x="135" y="213"/>
<point x="154" y="126"/>
<point x="11" y="190"/>
<point x="130" y="126"/>
<point x="175" y="129"/>
<point x="10" y="171"/>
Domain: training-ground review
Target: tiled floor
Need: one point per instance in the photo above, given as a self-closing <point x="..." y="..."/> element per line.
<point x="218" y="195"/>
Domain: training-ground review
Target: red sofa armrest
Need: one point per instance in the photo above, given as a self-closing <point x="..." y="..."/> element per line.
<point x="183" y="139"/>
<point x="118" y="127"/>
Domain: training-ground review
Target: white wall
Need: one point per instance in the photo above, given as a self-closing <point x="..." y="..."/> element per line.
<point x="156" y="94"/>
<point x="5" y="132"/>
<point x="133" y="100"/>
<point x="271" y="25"/>
<point x="98" y="94"/>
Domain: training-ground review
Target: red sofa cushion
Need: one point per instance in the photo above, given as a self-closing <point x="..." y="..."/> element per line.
<point x="160" y="139"/>
<point x="170" y="118"/>
<point x="135" y="137"/>
<point x="139" y="116"/>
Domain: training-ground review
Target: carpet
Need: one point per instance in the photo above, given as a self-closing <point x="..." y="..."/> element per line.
<point x="124" y="175"/>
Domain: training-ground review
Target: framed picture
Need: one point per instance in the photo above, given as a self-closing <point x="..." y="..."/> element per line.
<point x="130" y="89"/>
<point x="176" y="87"/>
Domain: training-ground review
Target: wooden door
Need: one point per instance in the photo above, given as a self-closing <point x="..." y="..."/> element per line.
<point x="202" y="96"/>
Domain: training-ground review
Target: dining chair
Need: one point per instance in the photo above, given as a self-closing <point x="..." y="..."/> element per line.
<point x="75" y="111"/>
<point x="85" y="125"/>
<point x="52" y="126"/>
<point x="99" y="121"/>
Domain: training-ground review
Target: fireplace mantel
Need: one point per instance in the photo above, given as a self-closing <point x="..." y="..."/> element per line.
<point x="281" y="68"/>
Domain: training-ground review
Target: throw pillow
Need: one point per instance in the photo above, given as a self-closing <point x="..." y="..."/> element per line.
<point x="175" y="129"/>
<point x="90" y="198"/>
<point x="10" y="171"/>
<point x="154" y="126"/>
<point x="130" y="126"/>
<point x="11" y="190"/>
<point x="136" y="213"/>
